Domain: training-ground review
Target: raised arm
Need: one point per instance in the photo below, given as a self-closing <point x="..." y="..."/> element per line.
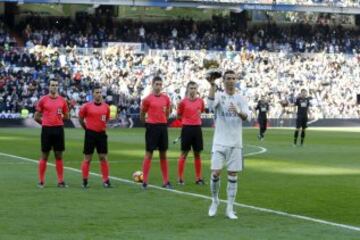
<point x="211" y="97"/>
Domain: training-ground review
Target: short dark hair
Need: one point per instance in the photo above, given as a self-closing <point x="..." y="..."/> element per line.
<point x="156" y="78"/>
<point x="96" y="86"/>
<point x="54" y="80"/>
<point x="191" y="83"/>
<point x="228" y="72"/>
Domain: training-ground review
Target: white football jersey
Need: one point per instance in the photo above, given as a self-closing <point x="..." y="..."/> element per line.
<point x="228" y="125"/>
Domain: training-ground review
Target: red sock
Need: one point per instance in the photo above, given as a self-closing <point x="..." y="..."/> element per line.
<point x="85" y="169"/>
<point x="60" y="170"/>
<point x="164" y="170"/>
<point x="104" y="170"/>
<point x="197" y="164"/>
<point x="146" y="168"/>
<point x="181" y="167"/>
<point x="42" y="170"/>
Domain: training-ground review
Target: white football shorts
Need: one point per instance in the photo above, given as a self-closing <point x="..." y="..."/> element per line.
<point x="231" y="157"/>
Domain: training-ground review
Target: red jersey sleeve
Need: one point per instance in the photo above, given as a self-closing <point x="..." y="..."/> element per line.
<point x="202" y="105"/>
<point x="168" y="102"/>
<point x="180" y="110"/>
<point x="40" y="105"/>
<point x="145" y="105"/>
<point x="107" y="113"/>
<point x="82" y="112"/>
<point x="65" y="108"/>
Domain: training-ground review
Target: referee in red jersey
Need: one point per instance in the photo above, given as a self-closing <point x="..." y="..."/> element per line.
<point x="189" y="111"/>
<point x="93" y="117"/>
<point x="155" y="109"/>
<point x="51" y="110"/>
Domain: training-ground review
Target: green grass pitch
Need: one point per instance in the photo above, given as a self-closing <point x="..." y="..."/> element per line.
<point x="320" y="180"/>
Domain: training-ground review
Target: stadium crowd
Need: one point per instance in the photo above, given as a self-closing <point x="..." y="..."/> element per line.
<point x="342" y="3"/>
<point x="219" y="34"/>
<point x="24" y="76"/>
<point x="125" y="76"/>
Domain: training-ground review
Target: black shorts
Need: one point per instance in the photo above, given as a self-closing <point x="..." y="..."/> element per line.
<point x="301" y="122"/>
<point x="96" y="140"/>
<point x="156" y="137"/>
<point x="262" y="122"/>
<point x="191" y="136"/>
<point x="52" y="138"/>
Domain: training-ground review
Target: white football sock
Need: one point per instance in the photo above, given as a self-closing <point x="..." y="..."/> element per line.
<point x="214" y="188"/>
<point x="231" y="191"/>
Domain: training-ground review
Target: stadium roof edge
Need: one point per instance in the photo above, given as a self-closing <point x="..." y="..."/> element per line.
<point x="205" y="5"/>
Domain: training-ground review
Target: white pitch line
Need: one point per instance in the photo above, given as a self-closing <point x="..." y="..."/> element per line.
<point x="310" y="219"/>
<point x="262" y="150"/>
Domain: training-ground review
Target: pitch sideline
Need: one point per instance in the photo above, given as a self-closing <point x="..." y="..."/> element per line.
<point x="263" y="150"/>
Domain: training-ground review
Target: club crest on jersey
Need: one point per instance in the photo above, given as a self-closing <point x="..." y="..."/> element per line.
<point x="59" y="111"/>
<point x="164" y="109"/>
<point x="103" y="118"/>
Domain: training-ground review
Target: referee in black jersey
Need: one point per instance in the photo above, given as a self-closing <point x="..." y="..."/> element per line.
<point x="262" y="107"/>
<point x="302" y="103"/>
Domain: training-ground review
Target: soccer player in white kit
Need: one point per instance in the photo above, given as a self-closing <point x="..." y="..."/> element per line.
<point x="230" y="109"/>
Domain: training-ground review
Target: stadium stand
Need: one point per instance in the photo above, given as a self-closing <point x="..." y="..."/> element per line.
<point x="219" y="34"/>
<point x="273" y="61"/>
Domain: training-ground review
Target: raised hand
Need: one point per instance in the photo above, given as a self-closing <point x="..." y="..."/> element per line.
<point x="233" y="108"/>
<point x="211" y="79"/>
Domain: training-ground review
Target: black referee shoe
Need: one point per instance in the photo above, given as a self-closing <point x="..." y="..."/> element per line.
<point x="62" y="185"/>
<point x="84" y="184"/>
<point x="107" y="184"/>
<point x="181" y="182"/>
<point x="144" y="186"/>
<point x="167" y="185"/>
<point x="200" y="182"/>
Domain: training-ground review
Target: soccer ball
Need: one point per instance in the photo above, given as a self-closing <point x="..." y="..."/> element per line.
<point x="138" y="176"/>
